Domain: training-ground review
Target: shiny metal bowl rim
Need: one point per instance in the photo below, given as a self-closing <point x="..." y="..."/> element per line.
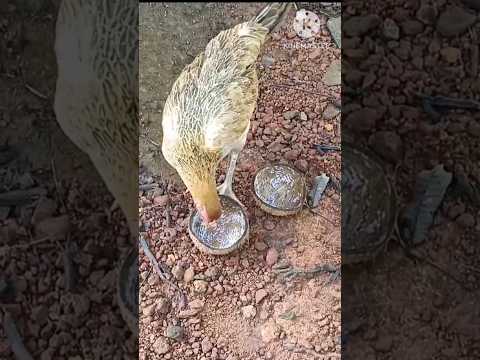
<point x="268" y="206"/>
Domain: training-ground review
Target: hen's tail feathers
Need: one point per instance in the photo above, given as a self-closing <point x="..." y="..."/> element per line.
<point x="272" y="15"/>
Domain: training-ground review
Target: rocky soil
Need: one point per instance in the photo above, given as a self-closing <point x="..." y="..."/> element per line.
<point x="239" y="306"/>
<point x="395" y="308"/>
<point x="59" y="240"/>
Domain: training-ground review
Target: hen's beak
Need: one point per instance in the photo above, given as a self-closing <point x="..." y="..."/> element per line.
<point x="209" y="215"/>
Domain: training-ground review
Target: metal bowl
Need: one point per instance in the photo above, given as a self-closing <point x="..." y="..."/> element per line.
<point x="226" y="235"/>
<point x="279" y="189"/>
<point x="127" y="291"/>
<point x="368" y="204"/>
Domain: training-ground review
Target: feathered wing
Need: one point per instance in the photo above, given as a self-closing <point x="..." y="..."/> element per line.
<point x="96" y="97"/>
<point x="231" y="56"/>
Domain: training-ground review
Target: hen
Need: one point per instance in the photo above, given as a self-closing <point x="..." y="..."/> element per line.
<point x="207" y="113"/>
<point x="96" y="98"/>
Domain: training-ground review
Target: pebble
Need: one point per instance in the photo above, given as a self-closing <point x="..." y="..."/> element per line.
<point x="200" y="286"/>
<point x="388" y="145"/>
<point x="260" y="246"/>
<point x="427" y="14"/>
<point x="178" y="271"/>
<point x="384" y="344"/>
<point x="44" y="209"/>
<point x="454" y="21"/>
<point x="148" y="310"/>
<point x="272" y="257"/>
<point x="161" y="346"/>
<point x="330" y="112"/>
<point x="188" y="313"/>
<point x="315" y="53"/>
<point x="303" y="116"/>
<point x="206" y="345"/>
<point x="362" y="120"/>
<point x="269" y="225"/>
<point x="360" y="25"/>
<point x="163" y="306"/>
<point x="196" y="304"/>
<point x="456" y="210"/>
<point x="188" y="275"/>
<point x="260" y="295"/>
<point x="161" y="200"/>
<point x="212" y="273"/>
<point x="269" y="331"/>
<point x="289" y="115"/>
<point x="333" y="74"/>
<point x="54" y="227"/>
<point x="391" y="29"/>
<point x="412" y="27"/>
<point x="174" y="332"/>
<point x="292" y="155"/>
<point x="466" y="220"/>
<point x="301" y="165"/>
<point x="474" y="128"/>
<point x="450" y="54"/>
<point x="249" y="312"/>
<point x="267" y="61"/>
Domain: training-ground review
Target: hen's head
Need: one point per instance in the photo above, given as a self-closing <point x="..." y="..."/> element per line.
<point x="197" y="169"/>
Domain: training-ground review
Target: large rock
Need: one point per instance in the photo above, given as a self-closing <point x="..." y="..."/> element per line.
<point x="454" y="21"/>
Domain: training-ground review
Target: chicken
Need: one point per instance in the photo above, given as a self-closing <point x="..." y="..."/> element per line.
<point x="96" y="97"/>
<point x="207" y="114"/>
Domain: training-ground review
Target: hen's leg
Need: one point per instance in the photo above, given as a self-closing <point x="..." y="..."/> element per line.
<point x="226" y="188"/>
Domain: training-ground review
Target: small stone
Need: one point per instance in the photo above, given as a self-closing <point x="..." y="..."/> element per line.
<point x="196" y="304"/>
<point x="454" y="21"/>
<point x="212" y="273"/>
<point x="388" y="145"/>
<point x="269" y="331"/>
<point x="301" y="165"/>
<point x="55" y="227"/>
<point x="473" y="128"/>
<point x="200" y="286"/>
<point x="271" y="257"/>
<point x="333" y="74"/>
<point x="303" y="116"/>
<point x="330" y="112"/>
<point x="289" y="115"/>
<point x="315" y="53"/>
<point x="451" y="54"/>
<point x="206" y="345"/>
<point x="427" y="14"/>
<point x="328" y="127"/>
<point x="44" y="209"/>
<point x="148" y="310"/>
<point x="334" y="25"/>
<point x="292" y="155"/>
<point x="161" y="200"/>
<point x="269" y="225"/>
<point x="183" y="314"/>
<point x="161" y="346"/>
<point x="391" y="29"/>
<point x="360" y="25"/>
<point x="267" y="61"/>
<point x="163" y="306"/>
<point x="174" y="332"/>
<point x="260" y="295"/>
<point x="466" y="220"/>
<point x="189" y="275"/>
<point x="384" y="344"/>
<point x="178" y="271"/>
<point x="362" y="120"/>
<point x="412" y="27"/>
<point x="456" y="210"/>
<point x="260" y="246"/>
<point x="40" y="315"/>
<point x="249" y="312"/>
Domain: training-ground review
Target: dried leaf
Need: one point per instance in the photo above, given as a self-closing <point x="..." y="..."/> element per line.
<point x="429" y="193"/>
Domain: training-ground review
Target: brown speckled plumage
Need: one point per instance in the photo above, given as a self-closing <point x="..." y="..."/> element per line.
<point x="207" y="114"/>
<point x="96" y="98"/>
